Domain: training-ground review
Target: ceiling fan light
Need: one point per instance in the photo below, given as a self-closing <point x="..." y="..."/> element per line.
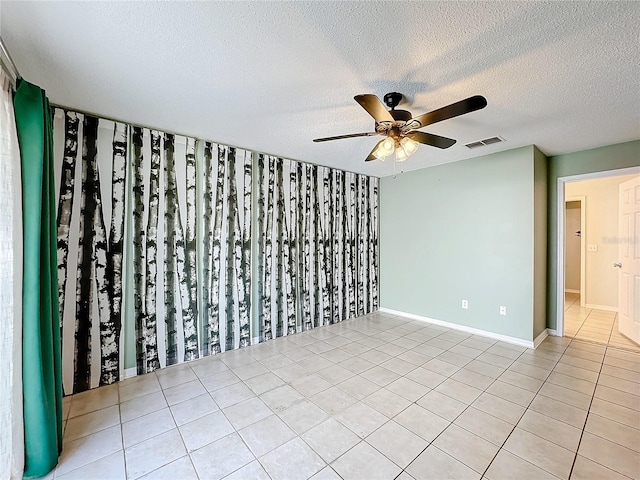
<point x="388" y="145"/>
<point x="401" y="155"/>
<point x="409" y="145"/>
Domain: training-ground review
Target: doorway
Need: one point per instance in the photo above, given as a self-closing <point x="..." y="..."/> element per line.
<point x="588" y="252"/>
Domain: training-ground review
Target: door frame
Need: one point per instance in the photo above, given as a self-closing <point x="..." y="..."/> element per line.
<point x="560" y="208"/>
<point x="583" y="206"/>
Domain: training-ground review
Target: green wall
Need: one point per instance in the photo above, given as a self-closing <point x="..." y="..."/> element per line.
<point x="540" y="192"/>
<point x="465" y="230"/>
<point x="612" y="157"/>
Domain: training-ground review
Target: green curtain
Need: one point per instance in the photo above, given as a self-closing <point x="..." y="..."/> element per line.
<point x="42" y="377"/>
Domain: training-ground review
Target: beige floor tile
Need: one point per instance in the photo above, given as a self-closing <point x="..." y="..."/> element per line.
<point x="512" y="393"/>
<point x="484" y="425"/>
<point x="330" y="439"/>
<point x="442" y="405"/>
<point x="106" y="468"/>
<point x="147" y="426"/>
<point x="397" y="443"/>
<point x="140" y="406"/>
<point x="227" y="396"/>
<point x="609" y="454"/>
<point x="89" y="448"/>
<point x="154" y="453"/>
<point x="618" y="413"/>
<point x="293" y="460"/>
<point x="585" y="469"/>
<point x="364" y="461"/>
<point x="97" y="399"/>
<point x="456" y="442"/>
<point x="361" y="419"/>
<point x="612" y="371"/>
<point x="619" y="384"/>
<point x="522" y="381"/>
<point x="253" y="471"/>
<point x="178" y="469"/>
<point x="221" y="457"/>
<point x="175" y="375"/>
<point x="569" y="414"/>
<point x="573" y="383"/>
<point x="204" y="430"/>
<point x="566" y="395"/>
<point x="358" y="386"/>
<point x="576" y="372"/>
<point x="307" y="386"/>
<point x="498" y="407"/>
<point x="473" y="379"/>
<point x="408" y="389"/>
<point x="542" y="453"/>
<point x="387" y="402"/>
<point x="434" y="463"/>
<point x="267" y="434"/>
<point x="303" y="416"/>
<point x="91" y="422"/>
<point x="183" y="392"/>
<point x="333" y="400"/>
<point x="192" y="409"/>
<point x="459" y="391"/>
<point x="245" y="413"/>
<point x="613" y="431"/>
<point x="618" y="397"/>
<point x="422" y="422"/>
<point x="551" y="429"/>
<point x="506" y="463"/>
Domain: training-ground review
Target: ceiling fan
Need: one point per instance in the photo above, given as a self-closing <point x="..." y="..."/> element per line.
<point x="400" y="128"/>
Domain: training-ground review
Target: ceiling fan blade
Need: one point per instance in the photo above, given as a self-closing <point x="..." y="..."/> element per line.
<point x="467" y="105"/>
<point x="431" y="139"/>
<point x="374" y="106"/>
<point x="339" y="137"/>
<point x="371" y="157"/>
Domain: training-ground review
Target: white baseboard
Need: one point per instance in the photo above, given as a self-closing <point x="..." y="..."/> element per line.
<point x="462" y="328"/>
<point x="601" y="307"/>
<point x="129" y="372"/>
<point x="540" y="338"/>
<point x="571" y="290"/>
<point x="552" y="333"/>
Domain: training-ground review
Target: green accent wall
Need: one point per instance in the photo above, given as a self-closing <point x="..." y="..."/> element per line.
<point x="612" y="157"/>
<point x="475" y="230"/>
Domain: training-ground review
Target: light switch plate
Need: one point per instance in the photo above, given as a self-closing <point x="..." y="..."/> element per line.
<point x="592" y="248"/>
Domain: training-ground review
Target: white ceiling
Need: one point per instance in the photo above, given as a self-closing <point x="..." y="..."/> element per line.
<point x="271" y="76"/>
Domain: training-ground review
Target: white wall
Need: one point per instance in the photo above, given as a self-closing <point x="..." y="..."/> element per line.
<point x="572" y="247"/>
<point x="601" y="230"/>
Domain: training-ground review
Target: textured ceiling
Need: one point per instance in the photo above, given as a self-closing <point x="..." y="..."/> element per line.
<point x="271" y="76"/>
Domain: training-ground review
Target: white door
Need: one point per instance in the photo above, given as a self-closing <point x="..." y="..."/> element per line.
<point x="629" y="259"/>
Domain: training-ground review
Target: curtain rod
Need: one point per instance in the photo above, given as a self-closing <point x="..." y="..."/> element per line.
<point x="84" y="112"/>
<point x="10" y="63"/>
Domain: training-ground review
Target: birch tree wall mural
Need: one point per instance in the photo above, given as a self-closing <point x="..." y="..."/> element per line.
<point x="155" y="248"/>
<point x="307" y="263"/>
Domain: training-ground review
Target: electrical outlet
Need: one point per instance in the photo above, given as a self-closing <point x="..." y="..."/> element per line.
<point x="503" y="310"/>
<point x="592" y="248"/>
<point x="465" y="304"/>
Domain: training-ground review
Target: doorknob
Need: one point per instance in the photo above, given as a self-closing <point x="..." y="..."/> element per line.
<point x="617" y="265"/>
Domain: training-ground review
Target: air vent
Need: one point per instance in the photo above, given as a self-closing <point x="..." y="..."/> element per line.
<point x="486" y="141"/>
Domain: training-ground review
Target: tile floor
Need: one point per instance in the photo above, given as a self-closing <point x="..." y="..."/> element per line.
<point x="593" y="325"/>
<point x="378" y="397"/>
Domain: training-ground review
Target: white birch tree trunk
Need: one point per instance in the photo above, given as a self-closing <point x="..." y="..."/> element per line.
<point x="266" y="293"/>
<point x="207" y="244"/>
<point x="214" y="310"/>
<point x="188" y="274"/>
<point x="243" y="258"/>
<point x="231" y="238"/>
<point x="152" y="361"/>
<point x="65" y="202"/>
<point x="111" y="331"/>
